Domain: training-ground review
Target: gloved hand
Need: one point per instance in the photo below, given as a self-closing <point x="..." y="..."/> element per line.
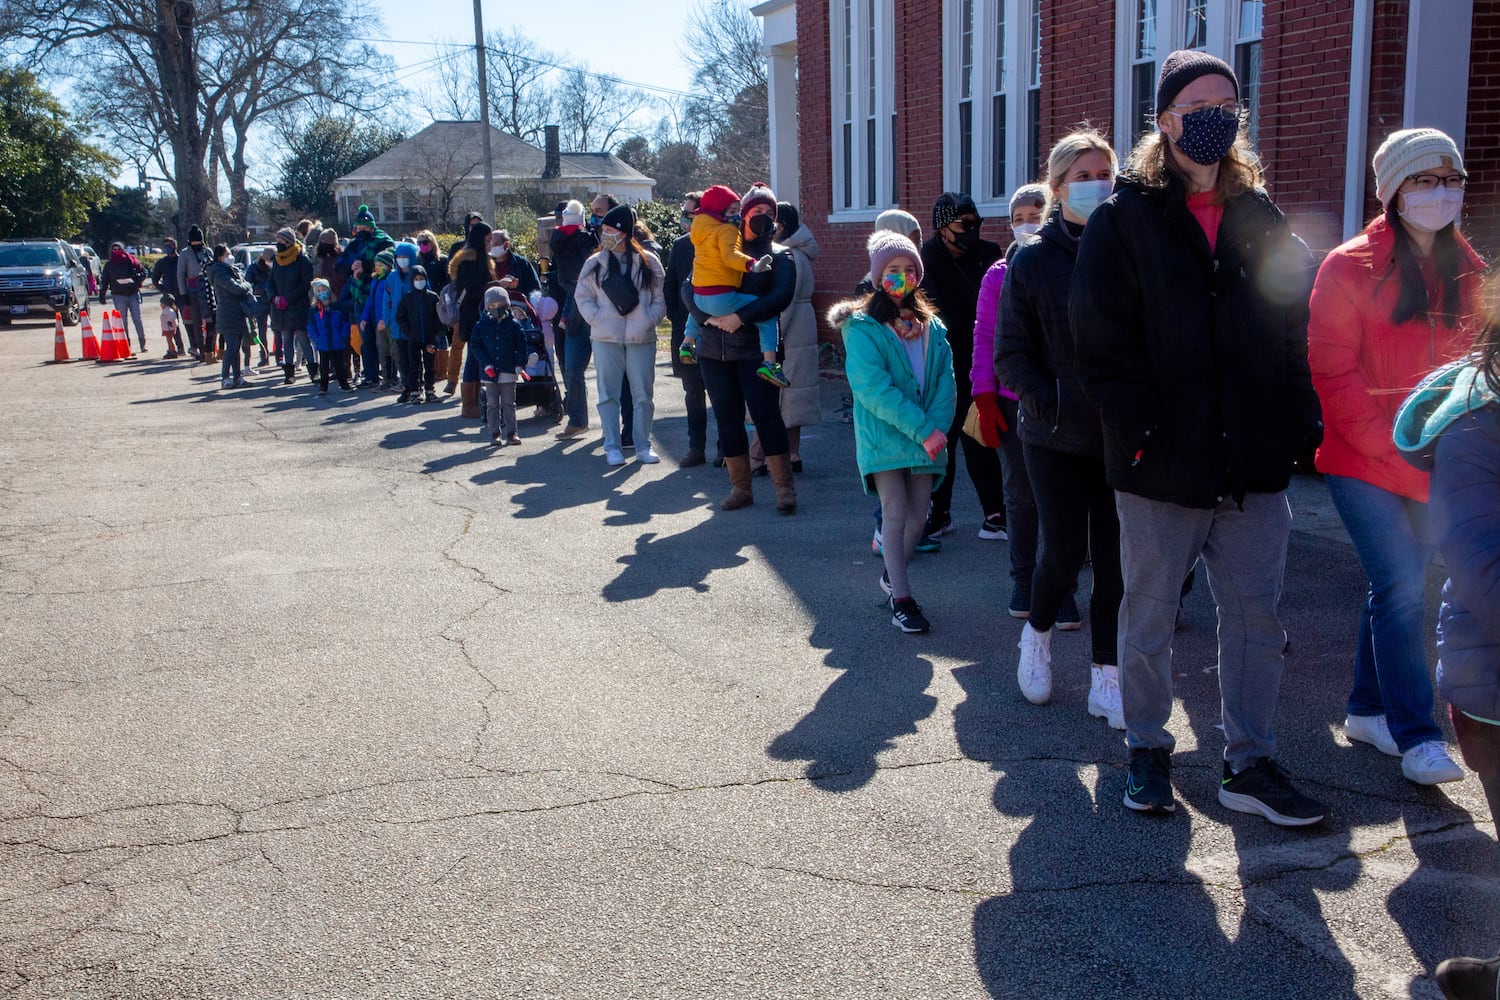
<point x="761" y="266"/>
<point x="935" y="443"/>
<point x="489" y="372"/>
<point x="281" y="302"/>
<point x="521" y="374"/>
<point x="991" y="421"/>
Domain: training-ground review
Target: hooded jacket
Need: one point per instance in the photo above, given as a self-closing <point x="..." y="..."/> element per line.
<point x="327" y="329"/>
<point x="773" y="291"/>
<point x="1034" y="346"/>
<point x="397" y="287"/>
<point x="1195" y="359"/>
<point x="191" y="263"/>
<point x="719" y="260"/>
<point x="606" y="325"/>
<point x="1450" y="427"/>
<point x="799" y="335"/>
<point x="230" y="289"/>
<point x="1363" y="365"/>
<point x="891" y="417"/>
<point x="291" y="282"/>
<point x="123" y="276"/>
<point x="417" y="315"/>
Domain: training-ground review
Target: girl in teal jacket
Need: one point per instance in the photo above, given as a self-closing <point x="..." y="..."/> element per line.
<point x="900" y="370"/>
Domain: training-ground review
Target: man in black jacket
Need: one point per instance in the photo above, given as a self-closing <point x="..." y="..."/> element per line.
<point x="1189" y="314"/>
<point x="954" y="260"/>
<point x="679" y="270"/>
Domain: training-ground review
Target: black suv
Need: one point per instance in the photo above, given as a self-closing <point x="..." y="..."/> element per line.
<point x="43" y="275"/>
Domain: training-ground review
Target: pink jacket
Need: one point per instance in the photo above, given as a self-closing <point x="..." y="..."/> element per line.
<point x="986" y="318"/>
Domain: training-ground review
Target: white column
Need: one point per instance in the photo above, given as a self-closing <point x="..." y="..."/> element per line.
<point x="1359" y="117"/>
<point x="1437" y="65"/>
<point x="781" y="95"/>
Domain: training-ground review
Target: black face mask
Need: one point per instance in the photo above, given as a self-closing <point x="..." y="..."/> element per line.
<point x="966" y="239"/>
<point x="762" y="225"/>
<point x="324" y="250"/>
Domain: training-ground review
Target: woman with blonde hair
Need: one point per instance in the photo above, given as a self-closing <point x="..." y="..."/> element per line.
<point x="1059" y="428"/>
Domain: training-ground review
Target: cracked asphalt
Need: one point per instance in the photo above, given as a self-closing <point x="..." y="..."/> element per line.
<point x="306" y="698"/>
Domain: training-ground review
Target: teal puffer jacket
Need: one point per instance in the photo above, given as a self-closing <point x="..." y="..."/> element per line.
<point x="891" y="418"/>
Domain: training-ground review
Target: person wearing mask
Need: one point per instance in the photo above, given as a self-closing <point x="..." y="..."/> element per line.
<point x="435" y="263"/>
<point x="800" y="405"/>
<point x="368" y="243"/>
<point x="679" y="269"/>
<point x="996" y="407"/>
<point x="396" y="289"/>
<point x="601" y="206"/>
<point x="259" y="276"/>
<point x="123" y="278"/>
<point x="230" y="322"/>
<point x="729" y="353"/>
<point x="619" y="296"/>
<point x="901" y="376"/>
<point x="327" y="330"/>
<point x="1189" y="316"/>
<point x="421" y="331"/>
<point x="1059" y="429"/>
<point x="514" y="272"/>
<point x="472" y="269"/>
<point x="955" y="259"/>
<point x="572" y="244"/>
<point x="497" y="350"/>
<point x="164" y="271"/>
<point x="290" y="289"/>
<point x="196" y="295"/>
<point x="1388" y="307"/>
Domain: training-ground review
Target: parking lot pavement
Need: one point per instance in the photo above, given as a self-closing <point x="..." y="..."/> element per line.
<point x="308" y="697"/>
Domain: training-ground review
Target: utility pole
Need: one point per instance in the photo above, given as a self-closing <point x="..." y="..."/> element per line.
<point x="484" y="116"/>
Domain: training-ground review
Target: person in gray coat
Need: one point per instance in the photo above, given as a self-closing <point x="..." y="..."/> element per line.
<point x="230" y="289"/>
<point x="291" y="283"/>
<point x="799" y="332"/>
<point x="193" y="295"/>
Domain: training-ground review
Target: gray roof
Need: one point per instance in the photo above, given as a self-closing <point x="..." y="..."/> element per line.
<point x="455" y="146"/>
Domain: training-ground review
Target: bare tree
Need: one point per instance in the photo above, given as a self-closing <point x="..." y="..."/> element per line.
<point x="596" y="111"/>
<point x="434" y="178"/>
<point x="520" y="83"/>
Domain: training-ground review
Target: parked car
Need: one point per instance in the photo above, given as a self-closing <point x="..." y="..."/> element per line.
<point x="90" y="257"/>
<point x="41" y="275"/>
<point x="245" y="254"/>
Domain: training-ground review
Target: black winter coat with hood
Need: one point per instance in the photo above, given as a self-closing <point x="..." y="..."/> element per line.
<point x="952" y="283"/>
<point x="1195" y="358"/>
<point x="1034" y="344"/>
<point x="773" y="289"/>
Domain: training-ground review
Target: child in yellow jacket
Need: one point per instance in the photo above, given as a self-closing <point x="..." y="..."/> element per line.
<point x="719" y="267"/>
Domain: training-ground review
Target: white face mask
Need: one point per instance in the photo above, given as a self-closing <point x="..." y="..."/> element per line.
<point x="403" y="263"/>
<point x="1432" y="210"/>
<point x="498" y="252"/>
<point x="419" y="284"/>
<point x="1026" y="228"/>
<point x="1085" y="196"/>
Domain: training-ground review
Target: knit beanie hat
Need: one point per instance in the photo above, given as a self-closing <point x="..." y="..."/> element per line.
<point x="330" y="235"/>
<point x="621" y="217"/>
<point x="885" y="247"/>
<point x="319" y="285"/>
<point x="895" y="220"/>
<point x="286" y="233"/>
<point x="364" y="218"/>
<point x="718" y="198"/>
<point x="1411" y="151"/>
<point x="950" y="205"/>
<point x="195" y="235"/>
<point x="1028" y="194"/>
<point x="387" y="258"/>
<point x="572" y="214"/>
<point x="759" y="192"/>
<point x="1183" y="67"/>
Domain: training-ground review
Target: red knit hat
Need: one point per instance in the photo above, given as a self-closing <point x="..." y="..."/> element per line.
<point x="716" y="199"/>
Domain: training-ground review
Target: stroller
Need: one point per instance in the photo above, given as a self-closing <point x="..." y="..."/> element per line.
<point x="541" y="389"/>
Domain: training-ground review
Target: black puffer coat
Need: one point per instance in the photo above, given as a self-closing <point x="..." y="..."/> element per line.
<point x="1196" y="359"/>
<point x="1034" y="344"/>
<point x="291" y="282"/>
<point x="773" y="289"/>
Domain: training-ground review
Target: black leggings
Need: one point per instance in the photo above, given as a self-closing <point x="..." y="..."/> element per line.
<point x="1076" y="509"/>
<point x="732" y="387"/>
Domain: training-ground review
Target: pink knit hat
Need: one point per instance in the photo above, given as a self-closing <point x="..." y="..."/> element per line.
<point x="885" y="247"/>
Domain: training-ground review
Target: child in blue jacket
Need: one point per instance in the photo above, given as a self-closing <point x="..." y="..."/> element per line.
<point x="380" y="368"/>
<point x="397" y="287"/>
<point x="328" y="332"/>
<point x="497" y="346"/>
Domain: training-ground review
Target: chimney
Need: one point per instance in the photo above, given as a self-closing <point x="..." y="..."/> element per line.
<point x="553" y="168"/>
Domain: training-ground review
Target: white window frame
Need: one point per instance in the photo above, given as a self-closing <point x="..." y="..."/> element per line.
<point x="1171" y="34"/>
<point x="1018" y="66"/>
<point x="860" y="85"/>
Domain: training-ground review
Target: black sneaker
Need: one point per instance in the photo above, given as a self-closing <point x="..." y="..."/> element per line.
<point x="1068" y="619"/>
<point x="1148" y="785"/>
<point x="938" y="525"/>
<point x="993" y="528"/>
<point x="906" y="615"/>
<point x="1264" y="789"/>
<point x="1466" y="978"/>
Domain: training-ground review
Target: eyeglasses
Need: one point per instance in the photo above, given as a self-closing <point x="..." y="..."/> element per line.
<point x="424" y="243"/>
<point x="1227" y="109"/>
<point x="1429" y="182"/>
<point x="967" y="225"/>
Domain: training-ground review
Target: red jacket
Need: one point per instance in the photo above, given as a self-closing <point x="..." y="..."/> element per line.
<point x="1363" y="365"/>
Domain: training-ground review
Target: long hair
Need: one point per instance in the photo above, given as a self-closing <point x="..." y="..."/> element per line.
<point x="1153" y="163"/>
<point x="1411" y="300"/>
<point x="633" y="249"/>
<point x="884" y="309"/>
<point x="1069" y="150"/>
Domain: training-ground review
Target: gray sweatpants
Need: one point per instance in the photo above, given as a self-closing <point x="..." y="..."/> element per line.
<point x="500" y="407"/>
<point x="1245" y="553"/>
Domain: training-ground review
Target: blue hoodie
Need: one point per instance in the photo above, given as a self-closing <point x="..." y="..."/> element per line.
<point x="396" y="286"/>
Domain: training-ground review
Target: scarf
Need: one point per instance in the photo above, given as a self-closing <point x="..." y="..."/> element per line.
<point x="288" y="257"/>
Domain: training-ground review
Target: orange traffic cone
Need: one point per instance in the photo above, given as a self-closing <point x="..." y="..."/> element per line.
<point x="90" y="342"/>
<point x="59" y="343"/>
<point x="122" y="336"/>
<point x="110" y="349"/>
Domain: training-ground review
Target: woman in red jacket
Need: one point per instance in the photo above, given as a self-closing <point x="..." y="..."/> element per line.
<point x="1388" y="307"/>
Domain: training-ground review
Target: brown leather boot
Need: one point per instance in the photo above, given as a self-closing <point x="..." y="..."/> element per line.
<point x="469" y="394"/>
<point x="739" y="478"/>
<point x="781" y="478"/>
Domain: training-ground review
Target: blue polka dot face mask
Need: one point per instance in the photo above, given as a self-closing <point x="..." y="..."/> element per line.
<point x="1208" y="134"/>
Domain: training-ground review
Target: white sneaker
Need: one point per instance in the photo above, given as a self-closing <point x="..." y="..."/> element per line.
<point x="228" y="383"/>
<point x="1104" y="696"/>
<point x="646" y="456"/>
<point x="614" y="456"/>
<point x="1371" y="729"/>
<point x="1034" y="673"/>
<point x="1429" y="764"/>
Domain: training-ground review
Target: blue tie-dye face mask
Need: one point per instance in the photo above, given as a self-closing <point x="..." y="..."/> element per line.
<point x="897" y="285"/>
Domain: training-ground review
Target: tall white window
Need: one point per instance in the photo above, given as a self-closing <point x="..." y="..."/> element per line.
<point x="993" y="92"/>
<point x="1147" y="30"/>
<point x="862" y="71"/>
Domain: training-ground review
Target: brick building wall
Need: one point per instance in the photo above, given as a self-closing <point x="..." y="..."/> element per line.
<point x="1387" y="85"/>
<point x="1482" y="132"/>
<point x="1078" y="79"/>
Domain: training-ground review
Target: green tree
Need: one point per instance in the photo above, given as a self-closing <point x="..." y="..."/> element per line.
<point x="48" y="175"/>
<point x="125" y="214"/>
<point x="330" y="146"/>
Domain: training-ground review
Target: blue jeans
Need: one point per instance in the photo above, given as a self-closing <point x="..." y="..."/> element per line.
<point x="369" y="352"/>
<point x="1393" y="538"/>
<point x="767" y="332"/>
<point x="580" y="349"/>
<point x="229" y="364"/>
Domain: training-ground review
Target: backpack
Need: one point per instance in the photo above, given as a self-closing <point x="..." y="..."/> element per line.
<point x="448" y="303"/>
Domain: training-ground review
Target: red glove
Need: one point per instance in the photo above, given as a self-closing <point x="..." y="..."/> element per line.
<point x="935" y="443"/>
<point x="991" y="421"/>
<point x="281" y="302"/>
<point x="489" y="371"/>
